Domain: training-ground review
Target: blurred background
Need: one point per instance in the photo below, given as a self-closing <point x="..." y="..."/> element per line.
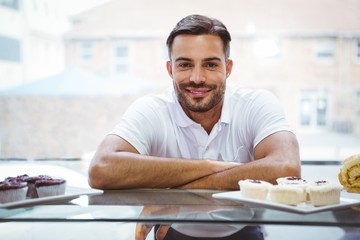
<point x="69" y="69"/>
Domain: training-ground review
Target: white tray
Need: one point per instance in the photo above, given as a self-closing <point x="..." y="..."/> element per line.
<point x="70" y="193"/>
<point x="346" y="200"/>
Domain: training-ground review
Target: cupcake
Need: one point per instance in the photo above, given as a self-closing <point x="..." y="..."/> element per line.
<point x="50" y="187"/>
<point x="324" y="193"/>
<point x="30" y="181"/>
<point x="32" y="192"/>
<point x="296" y="182"/>
<point x="44" y="183"/>
<point x="291" y="180"/>
<point x="287" y="194"/>
<point x="12" y="191"/>
<point x="19" y="178"/>
<point x="256" y="189"/>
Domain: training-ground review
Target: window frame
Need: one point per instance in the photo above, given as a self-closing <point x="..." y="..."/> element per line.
<point x="325" y="50"/>
<point x="87" y="50"/>
<point x="121" y="60"/>
<point x="12" y="49"/>
<point x="317" y="115"/>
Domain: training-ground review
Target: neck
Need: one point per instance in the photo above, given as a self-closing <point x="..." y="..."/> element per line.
<point x="206" y="119"/>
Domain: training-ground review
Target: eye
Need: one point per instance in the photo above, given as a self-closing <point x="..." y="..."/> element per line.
<point x="184" y="65"/>
<point x="210" y="65"/>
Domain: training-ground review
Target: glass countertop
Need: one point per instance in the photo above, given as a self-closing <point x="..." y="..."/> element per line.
<point x="171" y="206"/>
<point x="118" y="214"/>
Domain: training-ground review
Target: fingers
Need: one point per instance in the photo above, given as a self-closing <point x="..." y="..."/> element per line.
<point x="162" y="231"/>
<point x="142" y="230"/>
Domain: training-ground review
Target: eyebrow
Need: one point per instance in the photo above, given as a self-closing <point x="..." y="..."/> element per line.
<point x="182" y="59"/>
<point x="205" y="60"/>
<point x="212" y="59"/>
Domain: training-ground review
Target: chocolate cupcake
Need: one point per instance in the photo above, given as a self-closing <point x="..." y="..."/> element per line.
<point x="20" y="178"/>
<point x="12" y="191"/>
<point x="32" y="192"/>
<point x="50" y="187"/>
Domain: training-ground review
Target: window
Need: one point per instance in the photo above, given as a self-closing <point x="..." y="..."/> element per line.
<point x="121" y="59"/>
<point x="14" y="4"/>
<point x="87" y="50"/>
<point x="357" y="49"/>
<point x="325" y="49"/>
<point x="267" y="48"/>
<point x="321" y="110"/>
<point x="9" y="49"/>
<point x="305" y="112"/>
<point x="313" y="108"/>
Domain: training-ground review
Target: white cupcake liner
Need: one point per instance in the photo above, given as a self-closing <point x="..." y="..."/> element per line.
<point x="12" y="195"/>
<point x="322" y="198"/>
<point x="287" y="194"/>
<point x="51" y="190"/>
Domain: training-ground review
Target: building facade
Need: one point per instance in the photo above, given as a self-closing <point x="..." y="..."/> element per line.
<point x="306" y="52"/>
<point x="31" y="40"/>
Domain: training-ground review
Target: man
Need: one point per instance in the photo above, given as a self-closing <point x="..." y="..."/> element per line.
<point x="202" y="133"/>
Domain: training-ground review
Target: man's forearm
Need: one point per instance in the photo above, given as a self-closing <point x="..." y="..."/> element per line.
<point x="262" y="169"/>
<point x="118" y="170"/>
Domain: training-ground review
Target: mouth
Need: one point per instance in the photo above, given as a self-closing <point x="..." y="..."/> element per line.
<point x="198" y="92"/>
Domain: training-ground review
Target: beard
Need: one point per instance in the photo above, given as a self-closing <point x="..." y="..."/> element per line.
<point x="199" y="104"/>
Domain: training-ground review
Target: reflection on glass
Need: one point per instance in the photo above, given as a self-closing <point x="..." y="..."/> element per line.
<point x="179" y="230"/>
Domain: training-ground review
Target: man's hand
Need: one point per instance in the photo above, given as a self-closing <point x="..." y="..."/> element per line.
<point x="143" y="229"/>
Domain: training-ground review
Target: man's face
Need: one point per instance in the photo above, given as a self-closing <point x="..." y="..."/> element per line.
<point x="199" y="71"/>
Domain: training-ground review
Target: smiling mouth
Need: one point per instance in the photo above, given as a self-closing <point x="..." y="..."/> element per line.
<point x="198" y="92"/>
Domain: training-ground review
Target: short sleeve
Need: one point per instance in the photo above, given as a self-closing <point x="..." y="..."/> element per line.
<point x="138" y="124"/>
<point x="267" y="116"/>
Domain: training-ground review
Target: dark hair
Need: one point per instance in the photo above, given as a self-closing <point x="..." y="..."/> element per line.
<point x="199" y="25"/>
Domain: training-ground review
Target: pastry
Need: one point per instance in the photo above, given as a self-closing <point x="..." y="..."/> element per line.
<point x="296" y="182"/>
<point x="349" y="175"/>
<point x="40" y="185"/>
<point x="291" y="180"/>
<point x="287" y="194"/>
<point x="12" y="191"/>
<point x="256" y="189"/>
<point x="30" y="181"/>
<point x="324" y="193"/>
<point x="50" y="187"/>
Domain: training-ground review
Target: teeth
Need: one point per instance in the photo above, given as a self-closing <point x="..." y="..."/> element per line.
<point x="198" y="91"/>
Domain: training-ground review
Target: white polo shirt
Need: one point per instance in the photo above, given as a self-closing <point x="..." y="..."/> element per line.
<point x="156" y="125"/>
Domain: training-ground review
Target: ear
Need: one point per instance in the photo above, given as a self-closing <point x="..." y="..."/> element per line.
<point x="229" y="66"/>
<point x="169" y="68"/>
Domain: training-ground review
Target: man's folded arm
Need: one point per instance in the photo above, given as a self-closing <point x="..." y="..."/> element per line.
<point x="275" y="156"/>
<point x="118" y="165"/>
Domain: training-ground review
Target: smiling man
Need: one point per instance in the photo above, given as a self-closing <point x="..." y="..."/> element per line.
<point x="202" y="133"/>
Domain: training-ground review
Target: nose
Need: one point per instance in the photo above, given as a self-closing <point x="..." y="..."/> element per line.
<point x="197" y="75"/>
